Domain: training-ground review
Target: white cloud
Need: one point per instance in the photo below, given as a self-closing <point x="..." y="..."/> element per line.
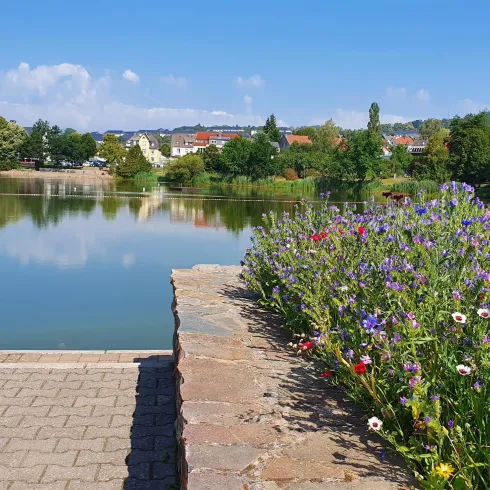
<point x="396" y="92"/>
<point x="247" y="100"/>
<point x="128" y="260"/>
<point x="352" y="119"/>
<point x="254" y="81"/>
<point x="469" y="106"/>
<point x="131" y="76"/>
<point x="173" y="80"/>
<point x="68" y="96"/>
<point x="422" y="95"/>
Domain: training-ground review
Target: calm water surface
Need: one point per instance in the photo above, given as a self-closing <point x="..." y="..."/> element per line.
<point x="87" y="266"/>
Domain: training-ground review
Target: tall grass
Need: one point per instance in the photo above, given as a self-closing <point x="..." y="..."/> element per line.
<point x="146" y="176"/>
<point x="414" y="186"/>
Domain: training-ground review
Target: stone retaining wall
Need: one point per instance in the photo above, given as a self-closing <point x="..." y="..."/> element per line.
<point x="252" y="415"/>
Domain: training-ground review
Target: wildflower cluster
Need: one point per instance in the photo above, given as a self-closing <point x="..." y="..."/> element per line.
<point x="395" y="301"/>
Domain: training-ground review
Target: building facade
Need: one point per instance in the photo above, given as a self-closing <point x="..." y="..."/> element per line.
<point x="149" y="146"/>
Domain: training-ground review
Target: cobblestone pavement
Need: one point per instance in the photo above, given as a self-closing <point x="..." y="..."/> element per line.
<point x="87" y="424"/>
<point x="255" y="415"/>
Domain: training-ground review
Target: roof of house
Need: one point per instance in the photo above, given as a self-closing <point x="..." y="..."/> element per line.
<point x="183" y="140"/>
<point x="402" y="140"/>
<point x="295" y="138"/>
<point x="200" y="143"/>
<point x="203" y="135"/>
<point x="151" y="138"/>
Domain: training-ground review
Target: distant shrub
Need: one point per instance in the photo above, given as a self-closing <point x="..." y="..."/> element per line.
<point x="185" y="169"/>
<point x="290" y="174"/>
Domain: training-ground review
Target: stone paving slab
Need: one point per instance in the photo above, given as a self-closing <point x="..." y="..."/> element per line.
<point x="253" y="416"/>
<point x="87" y="425"/>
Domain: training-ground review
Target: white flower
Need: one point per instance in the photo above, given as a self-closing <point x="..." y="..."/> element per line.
<point x="343" y="288"/>
<point x="484" y="312"/>
<point x="375" y="423"/>
<point x="463" y="370"/>
<point x="459" y="317"/>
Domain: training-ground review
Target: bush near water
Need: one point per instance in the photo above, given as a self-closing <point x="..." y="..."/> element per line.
<point x="394" y="304"/>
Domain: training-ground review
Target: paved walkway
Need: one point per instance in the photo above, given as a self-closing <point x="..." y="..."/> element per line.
<point x="92" y="420"/>
<point x="254" y="415"/>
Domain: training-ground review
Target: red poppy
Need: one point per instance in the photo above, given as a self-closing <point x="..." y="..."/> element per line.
<point x="481" y="296"/>
<point x="398" y="197"/>
<point x="341" y="231"/>
<point x="361" y="230"/>
<point x="386" y="194"/>
<point x="360" y="368"/>
<point x="326" y="374"/>
<point x="307" y="345"/>
<point x="323" y="234"/>
<point x="315" y="238"/>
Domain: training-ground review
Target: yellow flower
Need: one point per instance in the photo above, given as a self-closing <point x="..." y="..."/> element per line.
<point x="445" y="470"/>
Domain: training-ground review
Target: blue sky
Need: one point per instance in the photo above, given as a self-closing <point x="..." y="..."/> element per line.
<point x="100" y="65"/>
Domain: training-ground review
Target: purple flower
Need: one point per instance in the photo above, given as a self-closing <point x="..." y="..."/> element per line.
<point x="403" y="400"/>
<point x="414" y="381"/>
<point x="426" y="420"/>
<point x="478" y="385"/>
<point x="450" y="423"/>
<point x="411" y="315"/>
<point x="435" y="398"/>
<point x="275" y="289"/>
<point x="366" y="359"/>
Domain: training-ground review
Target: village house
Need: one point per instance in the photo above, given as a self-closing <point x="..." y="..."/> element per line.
<point x="182" y="144"/>
<point x="149" y="146"/>
<point x="204" y="139"/>
<point x="288" y="139"/>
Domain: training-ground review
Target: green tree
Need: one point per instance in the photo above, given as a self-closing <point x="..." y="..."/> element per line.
<point x="328" y="135"/>
<point x="69" y="131"/>
<point x="185" y="169"/>
<point x="400" y="160"/>
<point x="211" y="158"/>
<point x="36" y="145"/>
<point x="469" y="148"/>
<point x="111" y="150"/>
<point x="234" y="158"/>
<point x="12" y="137"/>
<point x="363" y="154"/>
<point x="165" y="148"/>
<point x="271" y="130"/>
<point x="262" y="160"/>
<point x="373" y="124"/>
<point x="88" y="145"/>
<point x="430" y="127"/>
<point x="307" y="131"/>
<point x="434" y="164"/>
<point x="134" y="163"/>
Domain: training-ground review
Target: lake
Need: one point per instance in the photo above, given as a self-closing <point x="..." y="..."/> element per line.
<point x="87" y="265"/>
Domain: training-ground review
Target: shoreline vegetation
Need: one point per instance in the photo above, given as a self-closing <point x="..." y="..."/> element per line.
<point x="394" y="303"/>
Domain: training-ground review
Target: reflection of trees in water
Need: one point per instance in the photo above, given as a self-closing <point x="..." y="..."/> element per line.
<point x="234" y="215"/>
<point x="110" y="206"/>
<point x="42" y="211"/>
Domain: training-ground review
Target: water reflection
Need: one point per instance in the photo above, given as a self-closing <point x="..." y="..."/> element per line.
<point x="56" y="203"/>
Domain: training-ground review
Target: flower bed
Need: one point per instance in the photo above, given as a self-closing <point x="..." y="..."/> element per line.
<point x="395" y="302"/>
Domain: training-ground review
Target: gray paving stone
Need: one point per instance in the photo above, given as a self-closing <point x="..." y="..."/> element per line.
<point x="54" y="473"/>
<point x="68" y="429"/>
<point x="59" y="485"/>
<point x="28" y="475"/>
<point x="96" y="445"/>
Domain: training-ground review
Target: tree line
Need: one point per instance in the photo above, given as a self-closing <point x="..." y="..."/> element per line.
<point x="45" y="144"/>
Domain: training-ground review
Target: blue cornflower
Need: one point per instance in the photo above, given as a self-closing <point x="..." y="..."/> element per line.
<point x="421" y="211"/>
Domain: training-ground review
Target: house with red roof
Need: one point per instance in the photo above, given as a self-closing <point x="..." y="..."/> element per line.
<point x="288" y="139"/>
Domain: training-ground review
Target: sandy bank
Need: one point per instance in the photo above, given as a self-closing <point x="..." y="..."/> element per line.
<point x="78" y="175"/>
